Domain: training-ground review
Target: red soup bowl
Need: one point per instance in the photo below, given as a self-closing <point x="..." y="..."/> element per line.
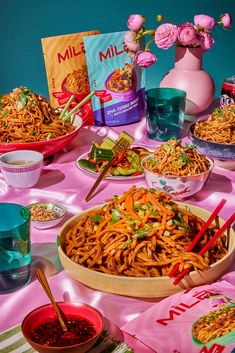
<point x="42" y="330"/>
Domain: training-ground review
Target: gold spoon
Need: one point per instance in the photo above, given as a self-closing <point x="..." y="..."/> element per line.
<point x="45" y="285"/>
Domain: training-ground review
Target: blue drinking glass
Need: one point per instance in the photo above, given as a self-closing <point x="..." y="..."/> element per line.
<point x="165" y="113"/>
<point x="15" y="249"/>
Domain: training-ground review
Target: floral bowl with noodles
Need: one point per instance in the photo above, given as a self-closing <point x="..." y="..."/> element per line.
<point x="177" y="170"/>
<point x="214" y="136"/>
<point x="130" y="245"/>
<point x="28" y="122"/>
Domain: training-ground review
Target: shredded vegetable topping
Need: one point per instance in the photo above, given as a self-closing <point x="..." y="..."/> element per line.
<point x="122" y="80"/>
<point x="219" y="127"/>
<point x="171" y="158"/>
<point x="141" y="233"/>
<point x="28" y="117"/>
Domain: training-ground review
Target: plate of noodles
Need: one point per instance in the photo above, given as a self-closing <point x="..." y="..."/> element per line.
<point x="130" y="245"/>
<point x="27" y="121"/>
<point x="216" y="327"/>
<point x="215" y="135"/>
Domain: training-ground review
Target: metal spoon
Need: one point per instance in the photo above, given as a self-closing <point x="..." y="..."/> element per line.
<point x="45" y="285"/>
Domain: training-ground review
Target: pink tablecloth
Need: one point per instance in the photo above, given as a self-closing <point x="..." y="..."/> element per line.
<point x="61" y="181"/>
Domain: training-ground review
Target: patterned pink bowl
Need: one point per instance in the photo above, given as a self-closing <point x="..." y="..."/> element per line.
<point x="22" y="168"/>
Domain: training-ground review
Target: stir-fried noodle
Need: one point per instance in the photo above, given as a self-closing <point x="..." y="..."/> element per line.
<point x="171" y="158"/>
<point x="215" y="324"/>
<point x="28" y="117"/>
<point x="219" y="127"/>
<point x="141" y="233"/>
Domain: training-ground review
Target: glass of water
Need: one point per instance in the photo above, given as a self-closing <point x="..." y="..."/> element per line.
<point x="15" y="249"/>
<point x="165" y="113"/>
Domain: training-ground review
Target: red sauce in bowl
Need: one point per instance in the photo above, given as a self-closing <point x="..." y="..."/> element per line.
<point x="50" y="333"/>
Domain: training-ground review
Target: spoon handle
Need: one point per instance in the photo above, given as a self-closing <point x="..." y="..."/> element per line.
<point x="44" y="283"/>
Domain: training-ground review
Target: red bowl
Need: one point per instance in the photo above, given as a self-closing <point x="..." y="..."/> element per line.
<point x="45" y="312"/>
<point x="48" y="147"/>
<point x="79" y="96"/>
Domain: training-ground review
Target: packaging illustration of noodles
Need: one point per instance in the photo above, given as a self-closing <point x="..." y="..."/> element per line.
<point x="200" y="320"/>
<point x="117" y="82"/>
<point x="66" y="68"/>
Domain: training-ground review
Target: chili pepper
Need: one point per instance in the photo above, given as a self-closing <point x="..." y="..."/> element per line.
<point x="135" y="174"/>
<point x="121" y="156"/>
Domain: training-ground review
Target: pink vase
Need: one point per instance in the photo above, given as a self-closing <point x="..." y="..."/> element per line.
<point x="189" y="76"/>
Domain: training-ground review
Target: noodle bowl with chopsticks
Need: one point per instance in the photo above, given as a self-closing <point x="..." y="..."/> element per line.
<point x="142" y="233"/>
<point x="28" y="117"/>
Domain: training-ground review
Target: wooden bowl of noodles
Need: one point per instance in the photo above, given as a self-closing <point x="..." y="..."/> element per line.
<point x="95" y="273"/>
<point x="28" y="110"/>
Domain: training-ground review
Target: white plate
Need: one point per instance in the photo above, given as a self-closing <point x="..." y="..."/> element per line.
<point x="112" y="177"/>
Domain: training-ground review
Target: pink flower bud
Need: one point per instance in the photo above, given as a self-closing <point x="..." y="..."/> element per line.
<point x="187" y="34"/>
<point x="166" y="35"/>
<point x="204" y="21"/>
<point x="129" y="39"/>
<point x="206" y="40"/>
<point x="135" y="22"/>
<point x="145" y="58"/>
<point x="226" y="20"/>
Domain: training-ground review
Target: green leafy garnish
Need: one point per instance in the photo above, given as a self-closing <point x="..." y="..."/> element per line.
<point x="185" y="158"/>
<point x="96" y="218"/>
<point x="4" y="114"/>
<point x="126" y="244"/>
<point x="116" y="215"/>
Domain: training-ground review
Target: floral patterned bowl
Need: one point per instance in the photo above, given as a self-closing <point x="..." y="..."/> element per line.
<point x="178" y="187"/>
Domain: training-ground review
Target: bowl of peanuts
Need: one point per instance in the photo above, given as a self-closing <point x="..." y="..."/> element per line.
<point x="46" y="215"/>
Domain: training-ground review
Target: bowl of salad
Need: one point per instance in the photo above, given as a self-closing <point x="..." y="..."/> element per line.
<point x="126" y="164"/>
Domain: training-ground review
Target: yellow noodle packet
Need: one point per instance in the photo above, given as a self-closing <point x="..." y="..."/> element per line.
<point x="66" y="69"/>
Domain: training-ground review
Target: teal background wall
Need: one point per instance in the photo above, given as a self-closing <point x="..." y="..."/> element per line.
<point x="25" y="22"/>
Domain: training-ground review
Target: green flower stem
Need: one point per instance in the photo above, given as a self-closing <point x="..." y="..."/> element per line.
<point x="148" y="44"/>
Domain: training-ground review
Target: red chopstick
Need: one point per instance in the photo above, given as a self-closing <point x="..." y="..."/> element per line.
<point x="207" y="246"/>
<point x="199" y="235"/>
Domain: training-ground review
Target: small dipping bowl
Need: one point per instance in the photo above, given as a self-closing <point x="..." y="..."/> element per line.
<point x="46" y="215"/>
<point x="178" y="187"/>
<point x="44" y="313"/>
<point x="22" y="168"/>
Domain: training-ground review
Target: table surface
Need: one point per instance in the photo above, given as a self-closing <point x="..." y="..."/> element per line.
<point x="61" y="181"/>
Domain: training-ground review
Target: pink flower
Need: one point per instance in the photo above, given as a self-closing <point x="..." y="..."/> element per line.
<point x="135" y="22"/>
<point x="226" y="20"/>
<point x="166" y="35"/>
<point x="206" y="40"/>
<point x="204" y="21"/>
<point x="145" y="58"/>
<point x="187" y="34"/>
<point x="132" y="44"/>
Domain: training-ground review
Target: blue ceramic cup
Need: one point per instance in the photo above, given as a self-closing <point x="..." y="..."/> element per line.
<point x="165" y="113"/>
<point x="15" y="249"/>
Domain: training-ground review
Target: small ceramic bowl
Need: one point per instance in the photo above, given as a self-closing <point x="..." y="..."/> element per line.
<point x="178" y="187"/>
<point x="76" y="310"/>
<point x="22" y="168"/>
<point x="46" y="215"/>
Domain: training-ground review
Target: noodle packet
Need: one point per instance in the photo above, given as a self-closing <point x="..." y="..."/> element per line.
<point x="200" y="320"/>
<point x="66" y="70"/>
<point x="117" y="82"/>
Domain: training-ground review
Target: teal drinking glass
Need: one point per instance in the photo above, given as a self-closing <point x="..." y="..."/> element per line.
<point x="165" y="113"/>
<point x="15" y="249"/>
